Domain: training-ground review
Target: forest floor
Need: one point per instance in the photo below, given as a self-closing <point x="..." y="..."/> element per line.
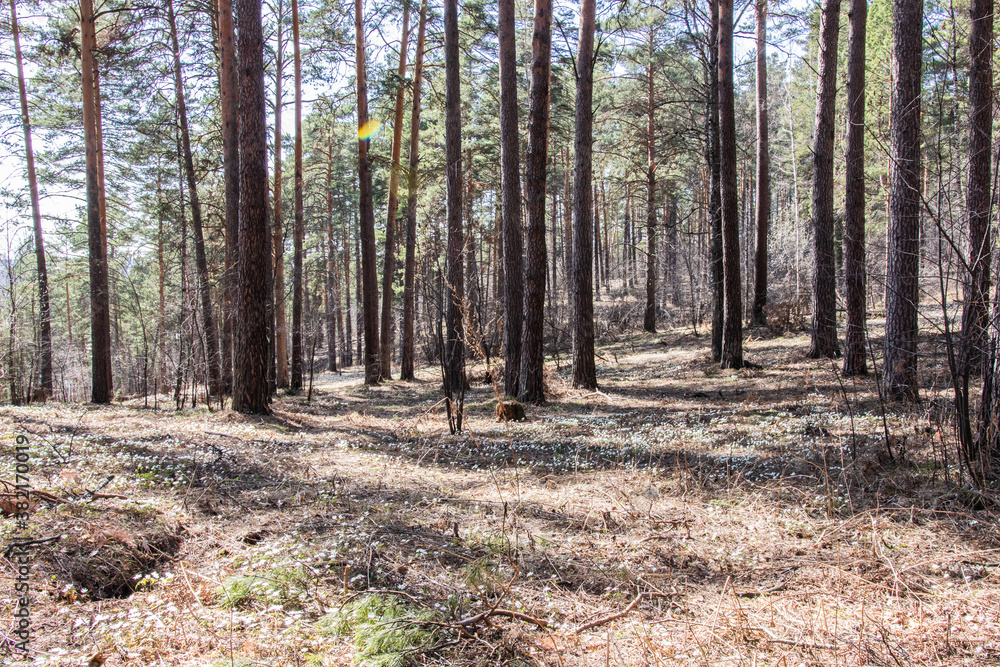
<point x="681" y="515"/>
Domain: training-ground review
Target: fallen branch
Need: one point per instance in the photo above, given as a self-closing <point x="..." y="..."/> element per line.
<point x="607" y="619"/>
<point x="598" y="393"/>
<point x="521" y="617"/>
<point x="38" y="493"/>
<point x="28" y="543"/>
<point x="111" y="495"/>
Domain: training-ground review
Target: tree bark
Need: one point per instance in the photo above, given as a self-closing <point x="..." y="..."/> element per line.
<point x="758" y="314"/>
<point x="251" y="391"/>
<point x="280" y="322"/>
<point x="369" y="278"/>
<point x="595" y="203"/>
<point x="100" y="303"/>
<point x="510" y="161"/>
<point x="409" y="298"/>
<point x="388" y="267"/>
<point x="213" y="359"/>
<point x="332" y="293"/>
<point x="228" y="103"/>
<point x="732" y="329"/>
<point x="903" y="255"/>
<point x="348" y="314"/>
<point x="568" y="223"/>
<point x="45" y="314"/>
<point x="299" y="232"/>
<point x="715" y="183"/>
<point x="855" y="273"/>
<point x="532" y="385"/>
<point x="584" y="370"/>
<point x="649" y="317"/>
<point x="824" y="306"/>
<point x="454" y="350"/>
<point x="977" y="285"/>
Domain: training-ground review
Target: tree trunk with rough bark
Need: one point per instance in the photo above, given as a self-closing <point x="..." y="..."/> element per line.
<point x="251" y="392"/>
<point x="388" y="267"/>
<point x="281" y="379"/>
<point x="903" y="254"/>
<point x="213" y="359"/>
<point x="824" y="301"/>
<point x="758" y="314"/>
<point x="977" y="286"/>
<point x="100" y="302"/>
<point x="409" y="270"/>
<point x="369" y="277"/>
<point x="732" y="328"/>
<point x="855" y="273"/>
<point x="649" y="316"/>
<point x="532" y="386"/>
<point x="584" y="369"/>
<point x="228" y="104"/>
<point x="454" y="344"/>
<point x="44" y="314"/>
<point x="332" y="293"/>
<point x="299" y="231"/>
<point x="510" y="162"/>
<point x="715" y="182"/>
<point x="348" y="313"/>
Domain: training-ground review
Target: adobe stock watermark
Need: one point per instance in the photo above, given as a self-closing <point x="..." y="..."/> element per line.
<point x="19" y="551"/>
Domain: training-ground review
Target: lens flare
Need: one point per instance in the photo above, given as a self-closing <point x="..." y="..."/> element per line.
<point x="368" y="130"/>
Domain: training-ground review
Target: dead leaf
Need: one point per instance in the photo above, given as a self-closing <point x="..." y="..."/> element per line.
<point x="97" y="660"/>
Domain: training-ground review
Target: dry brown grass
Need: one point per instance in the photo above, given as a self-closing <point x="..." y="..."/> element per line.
<point x="725" y="505"/>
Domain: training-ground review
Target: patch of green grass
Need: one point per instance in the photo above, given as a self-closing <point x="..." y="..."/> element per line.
<point x="240" y="591"/>
<point x="386" y="633"/>
<point x="287" y="585"/>
<point x="483" y="576"/>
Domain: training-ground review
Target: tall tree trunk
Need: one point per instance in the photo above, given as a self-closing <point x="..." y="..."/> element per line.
<point x="977" y="285"/>
<point x="532" y="386"/>
<point x="758" y="315"/>
<point x="978" y="351"/>
<point x="606" y="263"/>
<point x="185" y="344"/>
<point x="824" y="306"/>
<point x="228" y="103"/>
<point x="903" y="255"/>
<point x="568" y="222"/>
<point x="510" y="161"/>
<point x="101" y="193"/>
<point x="584" y="370"/>
<point x="409" y="297"/>
<point x="250" y="388"/>
<point x="349" y="342"/>
<point x="595" y="203"/>
<point x="280" y="310"/>
<point x="649" y="317"/>
<point x="213" y="359"/>
<point x="369" y="278"/>
<point x="855" y="273"/>
<point x="732" y="328"/>
<point x="100" y="303"/>
<point x="454" y="350"/>
<point x="298" y="234"/>
<point x="161" y="311"/>
<point x="673" y="249"/>
<point x="332" y="293"/>
<point x="45" y="314"/>
<point x="715" y="183"/>
<point x="388" y="267"/>
<point x="360" y="314"/>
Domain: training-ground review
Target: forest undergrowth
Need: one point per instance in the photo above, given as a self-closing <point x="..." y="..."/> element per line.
<point x="777" y="515"/>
